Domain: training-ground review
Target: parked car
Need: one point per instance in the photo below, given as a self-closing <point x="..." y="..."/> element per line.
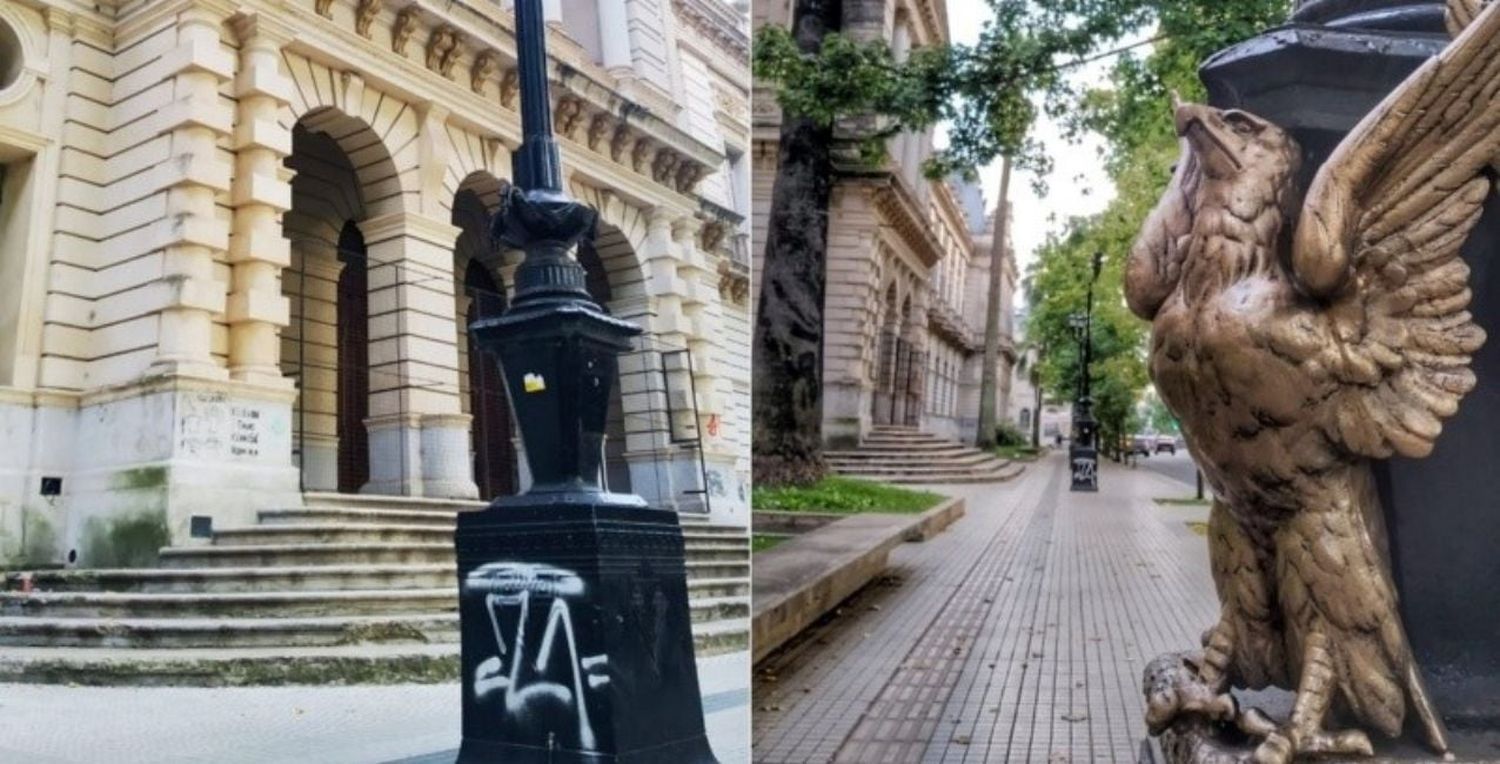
<point x="1166" y="444"/>
<point x="1140" y="444"/>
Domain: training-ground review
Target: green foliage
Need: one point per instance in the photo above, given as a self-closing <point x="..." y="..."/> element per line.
<point x="1160" y="418"/>
<point x="989" y="93"/>
<point x="760" y="542"/>
<point x="842" y="494"/>
<point x="1007" y="434"/>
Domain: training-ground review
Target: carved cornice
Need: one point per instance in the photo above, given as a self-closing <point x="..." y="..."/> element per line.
<point x="896" y="205"/>
<point x="590" y="110"/>
<point x="718" y="23"/>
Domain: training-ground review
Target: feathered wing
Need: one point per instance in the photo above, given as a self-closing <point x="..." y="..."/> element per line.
<point x="1155" y="263"/>
<point x="1379" y="239"/>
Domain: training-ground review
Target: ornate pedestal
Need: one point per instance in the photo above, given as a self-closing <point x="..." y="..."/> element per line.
<point x="577" y="637"/>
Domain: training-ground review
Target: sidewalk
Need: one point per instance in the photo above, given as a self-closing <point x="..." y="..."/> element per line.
<point x="301" y="725"/>
<point x="1018" y="635"/>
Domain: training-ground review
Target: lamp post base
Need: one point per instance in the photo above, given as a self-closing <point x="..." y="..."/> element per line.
<point x="577" y="640"/>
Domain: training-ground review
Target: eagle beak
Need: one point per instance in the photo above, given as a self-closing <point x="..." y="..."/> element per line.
<point x="1197" y="124"/>
<point x="1185" y="114"/>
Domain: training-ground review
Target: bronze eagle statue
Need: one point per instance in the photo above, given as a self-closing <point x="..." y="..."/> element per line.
<point x="1297" y="340"/>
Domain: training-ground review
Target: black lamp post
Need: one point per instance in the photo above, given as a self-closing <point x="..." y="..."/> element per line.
<point x="1084" y="452"/>
<point x="577" y="639"/>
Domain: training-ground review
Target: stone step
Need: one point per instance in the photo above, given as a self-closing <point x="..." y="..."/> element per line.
<point x="345" y="516"/>
<point x="918" y="466"/>
<point x="237" y="667"/>
<point x="350" y="663"/>
<point x="1000" y="476"/>
<point x="271" y="555"/>
<point x="962" y="458"/>
<point x="370" y="501"/>
<point x="948" y="449"/>
<point x="228" y="605"/>
<point x="232" y="580"/>
<point x="936" y="446"/>
<point x="308" y="534"/>
<point x="189" y="621"/>
<point x="691" y="528"/>
<point x="370" y="532"/>
<point x="174" y="633"/>
<point x="903" y="440"/>
<point x="720" y="637"/>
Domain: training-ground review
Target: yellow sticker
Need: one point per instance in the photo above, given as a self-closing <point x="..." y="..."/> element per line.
<point x="534" y="383"/>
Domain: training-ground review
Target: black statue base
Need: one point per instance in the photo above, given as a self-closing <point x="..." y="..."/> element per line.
<point x="1318" y="76"/>
<point x="577" y="635"/>
<point x="1084" y="465"/>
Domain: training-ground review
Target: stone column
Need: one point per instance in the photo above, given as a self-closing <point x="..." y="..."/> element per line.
<point x="262" y="191"/>
<point x="193" y="236"/>
<point x="419" y="435"/>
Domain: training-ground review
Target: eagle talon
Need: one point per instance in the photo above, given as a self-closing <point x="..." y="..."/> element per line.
<point x="1175" y="688"/>
<point x="1284" y="746"/>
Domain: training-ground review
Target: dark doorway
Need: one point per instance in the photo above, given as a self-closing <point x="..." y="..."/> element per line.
<point x="493" y="447"/>
<point x="354" y="361"/>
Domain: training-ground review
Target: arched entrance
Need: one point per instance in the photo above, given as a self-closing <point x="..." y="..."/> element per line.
<point x="482" y="294"/>
<point x="353" y="316"/>
<point x="493" y="445"/>
<point x="325" y="347"/>
<point x="883" y="402"/>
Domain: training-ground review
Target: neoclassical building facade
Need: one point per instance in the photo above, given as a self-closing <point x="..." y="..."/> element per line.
<point x="909" y="259"/>
<point x="240" y="243"/>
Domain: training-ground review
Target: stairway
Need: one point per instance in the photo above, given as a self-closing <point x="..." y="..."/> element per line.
<point x="895" y="454"/>
<point x="347" y="590"/>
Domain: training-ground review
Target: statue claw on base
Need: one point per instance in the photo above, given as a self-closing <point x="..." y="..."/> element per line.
<point x="1176" y="689"/>
<point x="1284" y="746"/>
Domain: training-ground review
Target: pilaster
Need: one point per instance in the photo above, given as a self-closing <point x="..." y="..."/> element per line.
<point x="194" y="238"/>
<point x="262" y="192"/>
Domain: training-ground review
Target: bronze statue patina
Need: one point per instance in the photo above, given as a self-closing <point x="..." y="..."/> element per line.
<point x="1296" y="342"/>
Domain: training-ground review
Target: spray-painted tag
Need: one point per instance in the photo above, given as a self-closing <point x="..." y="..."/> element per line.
<point x="534" y="383"/>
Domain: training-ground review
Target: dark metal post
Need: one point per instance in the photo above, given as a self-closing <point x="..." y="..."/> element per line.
<point x="577" y="635"/>
<point x="1084" y="451"/>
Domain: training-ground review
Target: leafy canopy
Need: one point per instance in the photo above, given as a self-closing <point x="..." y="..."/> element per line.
<point x="988" y="93"/>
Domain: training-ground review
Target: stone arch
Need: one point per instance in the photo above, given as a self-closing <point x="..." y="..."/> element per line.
<point x="619" y="240"/>
<point x="339" y="169"/>
<point x="481" y="293"/>
<point x="378" y="132"/>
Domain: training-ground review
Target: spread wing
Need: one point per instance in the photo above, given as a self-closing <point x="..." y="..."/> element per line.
<point x="1379" y="241"/>
<point x="1155" y="263"/>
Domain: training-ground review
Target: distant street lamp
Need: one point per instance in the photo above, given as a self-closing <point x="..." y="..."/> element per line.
<point x="1084" y="451"/>
<point x="577" y="640"/>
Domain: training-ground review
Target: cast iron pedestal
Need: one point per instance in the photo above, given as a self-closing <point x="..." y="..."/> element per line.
<point x="577" y="638"/>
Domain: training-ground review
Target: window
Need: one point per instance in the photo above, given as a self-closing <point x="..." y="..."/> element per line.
<point x="10" y="56"/>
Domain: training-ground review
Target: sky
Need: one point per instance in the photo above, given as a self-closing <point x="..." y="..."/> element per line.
<point x="1078" y="184"/>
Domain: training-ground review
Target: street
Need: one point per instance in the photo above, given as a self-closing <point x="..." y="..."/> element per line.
<point x="1177" y="466"/>
<point x="1019" y="635"/>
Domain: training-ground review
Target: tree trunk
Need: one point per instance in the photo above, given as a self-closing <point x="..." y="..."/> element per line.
<point x="987" y="380"/>
<point x="787" y="407"/>
<point x="1036" y="414"/>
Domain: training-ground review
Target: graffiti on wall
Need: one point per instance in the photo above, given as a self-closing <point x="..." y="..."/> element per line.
<point x="543" y="680"/>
